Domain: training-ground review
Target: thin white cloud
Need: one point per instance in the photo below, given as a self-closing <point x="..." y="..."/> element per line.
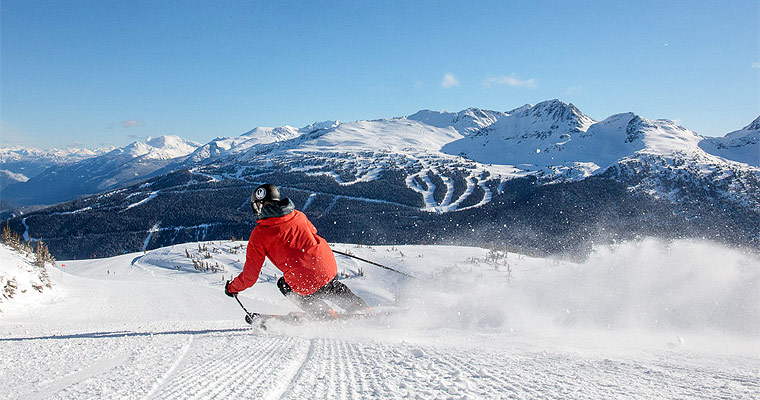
<point x="574" y="90"/>
<point x="756" y="65"/>
<point x="510" y="80"/>
<point x="449" y="81"/>
<point x="130" y="123"/>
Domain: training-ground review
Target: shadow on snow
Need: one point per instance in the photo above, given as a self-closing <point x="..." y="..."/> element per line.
<point x="119" y="334"/>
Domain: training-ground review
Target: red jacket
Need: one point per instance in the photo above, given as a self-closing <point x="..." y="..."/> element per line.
<point x="292" y="244"/>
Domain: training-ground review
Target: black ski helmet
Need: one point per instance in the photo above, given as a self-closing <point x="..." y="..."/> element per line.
<point x="264" y="193"/>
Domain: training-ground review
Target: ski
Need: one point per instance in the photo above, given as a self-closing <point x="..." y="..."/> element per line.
<point x="260" y="320"/>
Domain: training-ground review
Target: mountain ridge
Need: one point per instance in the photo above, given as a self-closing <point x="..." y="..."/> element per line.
<point x="544" y="178"/>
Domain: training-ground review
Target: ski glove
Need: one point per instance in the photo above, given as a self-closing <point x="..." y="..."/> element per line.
<point x="227" y="291"/>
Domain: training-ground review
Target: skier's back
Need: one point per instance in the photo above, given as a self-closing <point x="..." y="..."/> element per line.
<point x="287" y="237"/>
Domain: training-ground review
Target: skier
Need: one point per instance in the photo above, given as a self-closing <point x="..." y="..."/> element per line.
<point x="290" y="241"/>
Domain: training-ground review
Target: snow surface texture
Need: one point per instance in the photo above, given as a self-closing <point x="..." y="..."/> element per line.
<point x="638" y="320"/>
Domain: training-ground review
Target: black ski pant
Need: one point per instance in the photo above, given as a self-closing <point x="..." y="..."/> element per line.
<point x="314" y="304"/>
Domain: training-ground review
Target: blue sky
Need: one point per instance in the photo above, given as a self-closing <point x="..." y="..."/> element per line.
<point x="93" y="73"/>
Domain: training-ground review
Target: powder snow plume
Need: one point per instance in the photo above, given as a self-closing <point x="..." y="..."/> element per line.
<point x="683" y="286"/>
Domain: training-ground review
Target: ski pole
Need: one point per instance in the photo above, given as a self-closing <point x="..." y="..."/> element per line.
<point x="248" y="316"/>
<point x="373" y="263"/>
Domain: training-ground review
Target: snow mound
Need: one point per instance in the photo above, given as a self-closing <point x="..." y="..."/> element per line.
<point x="21" y="281"/>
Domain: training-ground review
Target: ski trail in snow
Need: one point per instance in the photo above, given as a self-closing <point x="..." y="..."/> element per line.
<point x="421" y="183"/>
<point x="428" y="194"/>
<point x="309" y="201"/>
<point x="296" y="368"/>
<point x="331" y="205"/>
<point x="72" y="379"/>
<point x="150" y="234"/>
<point x="162" y="380"/>
<point x="150" y="197"/>
<point x="449" y="191"/>
<point x="473" y="181"/>
<point x="26" y="230"/>
<point x="241" y="365"/>
<point x="336" y="369"/>
<point x="219" y="362"/>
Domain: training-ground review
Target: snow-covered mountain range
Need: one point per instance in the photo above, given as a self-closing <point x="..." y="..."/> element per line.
<point x="225" y="146"/>
<point x="551" y="140"/>
<point x="73" y="175"/>
<point x="470" y="170"/>
<point x="18" y="164"/>
<point x="51" y="156"/>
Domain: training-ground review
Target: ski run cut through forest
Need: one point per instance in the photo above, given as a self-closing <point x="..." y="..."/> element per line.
<point x="635" y="320"/>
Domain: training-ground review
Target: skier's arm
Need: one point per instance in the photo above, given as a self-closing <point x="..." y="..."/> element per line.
<point x="254" y="260"/>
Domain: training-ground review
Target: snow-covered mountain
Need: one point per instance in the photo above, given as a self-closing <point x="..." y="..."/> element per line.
<point x="527" y="135"/>
<point x="742" y="146"/>
<point x="160" y="148"/>
<point x="467" y="122"/>
<point x="224" y="146"/>
<point x="557" y="141"/>
<point x="116" y="168"/>
<point x="29" y="162"/>
<point x="544" y="177"/>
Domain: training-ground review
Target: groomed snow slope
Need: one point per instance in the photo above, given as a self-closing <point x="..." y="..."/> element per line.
<point x="640" y="320"/>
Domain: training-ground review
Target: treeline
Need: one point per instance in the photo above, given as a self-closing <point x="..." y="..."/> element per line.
<point x="40" y="252"/>
<point x="561" y="218"/>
